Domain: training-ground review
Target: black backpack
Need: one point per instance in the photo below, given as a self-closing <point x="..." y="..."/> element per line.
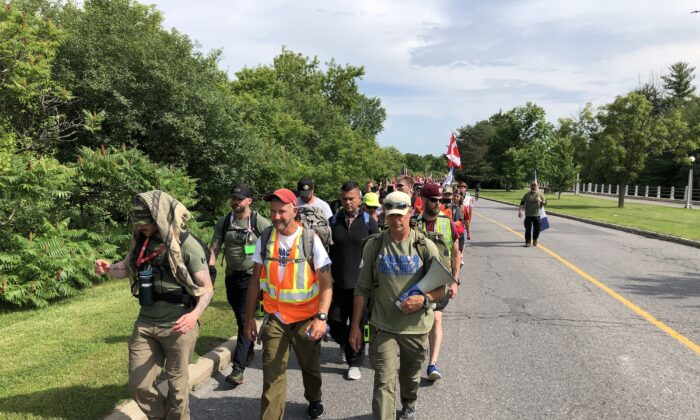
<point x="253" y="223"/>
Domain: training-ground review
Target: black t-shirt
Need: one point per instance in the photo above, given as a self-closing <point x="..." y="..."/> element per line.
<point x="346" y="251"/>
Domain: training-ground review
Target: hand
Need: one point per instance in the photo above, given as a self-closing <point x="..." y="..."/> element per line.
<point x="412" y="304"/>
<point x="355" y="338"/>
<point x="520" y="214"/>
<point x="186" y="323"/>
<point x="251" y="330"/>
<point x="102" y="267"/>
<point x="316" y="329"/>
<point x="453" y="290"/>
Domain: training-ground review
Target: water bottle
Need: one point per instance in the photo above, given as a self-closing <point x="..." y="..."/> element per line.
<point x="146" y="297"/>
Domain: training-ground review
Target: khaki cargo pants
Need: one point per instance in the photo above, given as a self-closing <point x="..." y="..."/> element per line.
<point x="277" y="337"/>
<point x="388" y="353"/>
<point x="149" y="348"/>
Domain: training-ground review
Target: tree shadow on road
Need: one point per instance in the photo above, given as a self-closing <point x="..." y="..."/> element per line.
<point x="65" y="402"/>
<point x="683" y="286"/>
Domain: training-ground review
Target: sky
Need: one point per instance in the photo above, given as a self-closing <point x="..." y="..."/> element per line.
<point x="438" y="65"/>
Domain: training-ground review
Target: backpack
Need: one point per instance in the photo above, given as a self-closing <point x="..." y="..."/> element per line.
<point x="207" y="252"/>
<point x="375" y="242"/>
<point x="307" y="245"/>
<point x="312" y="218"/>
<point x="253" y="223"/>
<point x="457" y="214"/>
<point x="365" y="217"/>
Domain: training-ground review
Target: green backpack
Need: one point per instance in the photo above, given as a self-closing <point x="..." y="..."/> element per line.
<point x="375" y="242"/>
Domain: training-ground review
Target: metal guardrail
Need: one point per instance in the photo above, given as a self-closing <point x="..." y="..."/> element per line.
<point x="642" y="191"/>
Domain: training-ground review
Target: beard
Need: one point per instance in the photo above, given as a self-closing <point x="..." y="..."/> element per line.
<point x="432" y="211"/>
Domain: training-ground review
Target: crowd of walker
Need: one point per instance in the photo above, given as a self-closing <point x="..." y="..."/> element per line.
<point x="311" y="270"/>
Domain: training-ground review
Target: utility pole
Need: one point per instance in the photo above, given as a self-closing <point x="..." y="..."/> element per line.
<point x="689" y="196"/>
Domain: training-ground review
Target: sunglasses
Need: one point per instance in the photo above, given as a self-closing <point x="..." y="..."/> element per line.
<point x="371" y="207"/>
<point x="446" y="200"/>
<point x="395" y="206"/>
<point x="433" y="199"/>
<point x="399" y="185"/>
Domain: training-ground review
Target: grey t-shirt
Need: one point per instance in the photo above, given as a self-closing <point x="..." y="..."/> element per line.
<point x="399" y="267"/>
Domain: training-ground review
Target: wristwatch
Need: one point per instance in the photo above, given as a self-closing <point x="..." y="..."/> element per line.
<point x="321" y="316"/>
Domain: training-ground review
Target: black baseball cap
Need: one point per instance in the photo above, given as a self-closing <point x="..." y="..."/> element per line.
<point x="305" y="187"/>
<point x="241" y="191"/>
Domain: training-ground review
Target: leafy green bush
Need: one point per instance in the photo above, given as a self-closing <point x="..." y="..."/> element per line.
<point x="57" y="219"/>
<point x="36" y="270"/>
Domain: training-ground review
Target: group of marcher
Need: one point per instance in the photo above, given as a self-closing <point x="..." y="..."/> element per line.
<point x="379" y="244"/>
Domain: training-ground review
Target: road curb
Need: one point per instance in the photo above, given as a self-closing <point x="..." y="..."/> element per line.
<point x="217" y="359"/>
<point x="636" y="231"/>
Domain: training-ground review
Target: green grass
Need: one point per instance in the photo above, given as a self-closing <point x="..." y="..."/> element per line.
<point x="668" y="220"/>
<point x="69" y="360"/>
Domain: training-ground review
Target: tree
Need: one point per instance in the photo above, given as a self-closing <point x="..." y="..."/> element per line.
<point x="521" y="127"/>
<point x="679" y="81"/>
<point x="630" y="135"/>
<point x="561" y="168"/>
<point x="514" y="171"/>
<point x="473" y="143"/>
<point x="33" y="106"/>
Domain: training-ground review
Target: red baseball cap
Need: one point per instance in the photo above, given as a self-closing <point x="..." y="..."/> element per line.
<point x="284" y="195"/>
<point x="431" y="190"/>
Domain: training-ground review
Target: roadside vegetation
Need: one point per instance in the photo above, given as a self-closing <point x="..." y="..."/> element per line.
<point x="70" y="360"/>
<point x="674" y="221"/>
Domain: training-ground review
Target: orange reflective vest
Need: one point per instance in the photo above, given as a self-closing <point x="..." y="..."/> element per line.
<point x="295" y="297"/>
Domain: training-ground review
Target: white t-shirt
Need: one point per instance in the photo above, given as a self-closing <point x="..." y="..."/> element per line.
<point x="317" y="202"/>
<point x="321" y="257"/>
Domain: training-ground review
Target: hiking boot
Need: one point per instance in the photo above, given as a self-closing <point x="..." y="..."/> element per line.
<point x="534" y="242"/>
<point x="250" y="357"/>
<point x="315" y="410"/>
<point x="353" y="373"/>
<point x="434" y="373"/>
<point x="408" y="413"/>
<point x="235" y="378"/>
<point x="527" y="244"/>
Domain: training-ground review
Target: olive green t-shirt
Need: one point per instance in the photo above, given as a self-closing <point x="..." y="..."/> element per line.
<point x="162" y="313"/>
<point x="399" y="266"/>
<point x="239" y="242"/>
<point x="532" y="208"/>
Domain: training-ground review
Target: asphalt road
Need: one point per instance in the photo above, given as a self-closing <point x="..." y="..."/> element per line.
<point x="530" y="337"/>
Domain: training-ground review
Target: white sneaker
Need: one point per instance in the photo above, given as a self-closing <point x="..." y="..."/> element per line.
<point x="342" y="355"/>
<point x="353" y="373"/>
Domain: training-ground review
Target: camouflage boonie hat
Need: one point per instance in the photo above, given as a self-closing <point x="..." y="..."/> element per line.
<point x="140" y="214"/>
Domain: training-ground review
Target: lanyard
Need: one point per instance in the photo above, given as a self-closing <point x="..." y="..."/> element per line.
<point x="140" y="260"/>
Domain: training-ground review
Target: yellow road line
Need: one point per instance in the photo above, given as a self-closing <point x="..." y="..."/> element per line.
<point x="639" y="311"/>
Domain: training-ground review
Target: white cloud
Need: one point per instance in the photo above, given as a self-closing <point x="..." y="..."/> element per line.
<point x="460" y="61"/>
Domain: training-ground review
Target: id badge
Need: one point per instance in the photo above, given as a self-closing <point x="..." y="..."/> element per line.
<point x="249" y="249"/>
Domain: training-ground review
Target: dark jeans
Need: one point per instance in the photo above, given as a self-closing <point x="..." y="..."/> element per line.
<point x="237" y="294"/>
<point x="532" y="225"/>
<point x="338" y="318"/>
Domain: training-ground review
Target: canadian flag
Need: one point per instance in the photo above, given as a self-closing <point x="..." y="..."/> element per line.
<point x="453" y="159"/>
